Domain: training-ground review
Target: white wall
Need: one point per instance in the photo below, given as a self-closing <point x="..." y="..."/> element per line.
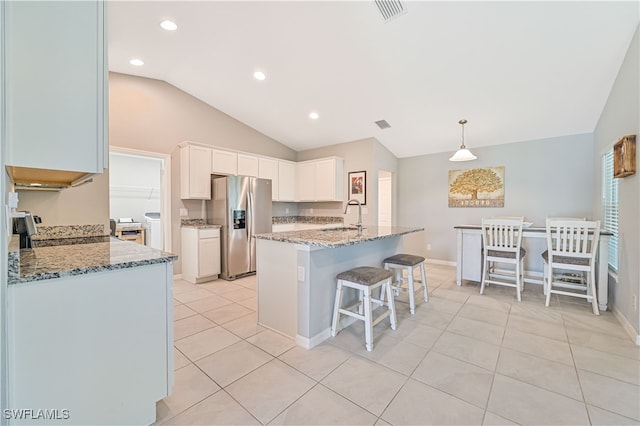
<point x="365" y="154"/>
<point x="154" y="116"/>
<point x="548" y="177"/>
<point x="134" y="185"/>
<point x="620" y="117"/>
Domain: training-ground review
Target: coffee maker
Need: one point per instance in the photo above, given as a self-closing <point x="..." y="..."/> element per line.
<point x="25" y="227"/>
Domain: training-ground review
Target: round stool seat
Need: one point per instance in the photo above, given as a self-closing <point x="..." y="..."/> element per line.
<point x="404" y="259"/>
<point x="365" y="275"/>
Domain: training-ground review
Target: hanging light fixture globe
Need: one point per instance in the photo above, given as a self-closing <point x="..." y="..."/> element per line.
<point x="462" y="154"/>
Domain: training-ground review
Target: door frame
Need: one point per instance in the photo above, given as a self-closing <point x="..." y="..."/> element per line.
<point x="165" y="188"/>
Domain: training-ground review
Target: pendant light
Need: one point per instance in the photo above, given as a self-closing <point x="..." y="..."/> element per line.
<point x="463" y="154"/>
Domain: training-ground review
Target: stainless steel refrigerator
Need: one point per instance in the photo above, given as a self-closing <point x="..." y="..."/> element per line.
<point x="242" y="206"/>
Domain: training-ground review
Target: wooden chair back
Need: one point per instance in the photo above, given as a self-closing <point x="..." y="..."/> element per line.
<point x="502" y="234"/>
<point x="572" y="238"/>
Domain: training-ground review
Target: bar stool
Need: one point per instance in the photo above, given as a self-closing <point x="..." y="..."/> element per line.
<point x="365" y="280"/>
<point x="407" y="262"/>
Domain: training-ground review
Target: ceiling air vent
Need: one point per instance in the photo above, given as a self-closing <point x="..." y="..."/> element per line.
<point x="383" y="124"/>
<point x="390" y="9"/>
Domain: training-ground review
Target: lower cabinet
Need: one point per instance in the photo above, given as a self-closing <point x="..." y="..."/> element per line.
<point x="200" y="254"/>
<point x="91" y="349"/>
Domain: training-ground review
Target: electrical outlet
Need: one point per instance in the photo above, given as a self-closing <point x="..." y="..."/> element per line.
<point x="286" y="209"/>
<point x="634" y="300"/>
<point x="311" y="210"/>
<point x="428" y="246"/>
<point x="184" y="212"/>
<point x="301" y="273"/>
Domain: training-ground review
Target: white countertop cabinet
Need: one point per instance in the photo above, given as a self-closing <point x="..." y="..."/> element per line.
<point x="55" y="83"/>
<point x="200" y="254"/>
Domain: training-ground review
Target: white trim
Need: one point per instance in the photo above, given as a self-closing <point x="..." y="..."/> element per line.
<point x="165" y="188"/>
<point x="627" y="326"/>
<point x="440" y="262"/>
<point x="177" y="277"/>
<point x="307" y="343"/>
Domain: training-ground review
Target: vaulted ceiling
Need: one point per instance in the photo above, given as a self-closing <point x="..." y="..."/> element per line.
<point x="515" y="70"/>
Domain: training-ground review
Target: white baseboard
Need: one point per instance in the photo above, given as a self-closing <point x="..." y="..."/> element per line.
<point x="177" y="277"/>
<point x="314" y="341"/>
<point x="440" y="262"/>
<point x="307" y="343"/>
<point x="627" y="326"/>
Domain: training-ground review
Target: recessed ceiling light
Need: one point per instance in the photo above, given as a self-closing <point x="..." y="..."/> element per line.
<point x="168" y="25"/>
<point x="314" y="116"/>
<point x="137" y="62"/>
<point x="259" y="75"/>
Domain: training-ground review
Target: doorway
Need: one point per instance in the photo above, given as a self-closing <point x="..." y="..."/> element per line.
<point x="385" y="198"/>
<point x="139" y="189"/>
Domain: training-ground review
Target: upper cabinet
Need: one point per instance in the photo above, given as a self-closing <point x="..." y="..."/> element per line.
<point x="320" y="180"/>
<point x="286" y="181"/>
<point x="195" y="172"/>
<point x="224" y="162"/>
<point x="247" y="165"/>
<point x="314" y="180"/>
<point x="55" y="83"/>
<point x="268" y="169"/>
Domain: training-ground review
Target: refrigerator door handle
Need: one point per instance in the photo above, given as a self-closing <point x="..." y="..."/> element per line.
<point x="250" y="214"/>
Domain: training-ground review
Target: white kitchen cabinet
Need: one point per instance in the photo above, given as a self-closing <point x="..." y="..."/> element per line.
<point x="248" y="165"/>
<point x="224" y="162"/>
<point x="329" y="179"/>
<point x="200" y="254"/>
<point x="320" y="180"/>
<point x="99" y="345"/>
<point x="195" y="172"/>
<point x="306" y="181"/>
<point x="268" y="169"/>
<point x="55" y="82"/>
<point x="286" y="181"/>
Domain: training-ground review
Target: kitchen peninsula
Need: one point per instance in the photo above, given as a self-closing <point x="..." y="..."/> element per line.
<point x="90" y="329"/>
<point x="296" y="274"/>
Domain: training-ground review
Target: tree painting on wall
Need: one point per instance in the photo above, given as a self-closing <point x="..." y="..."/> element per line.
<point x="477" y="187"/>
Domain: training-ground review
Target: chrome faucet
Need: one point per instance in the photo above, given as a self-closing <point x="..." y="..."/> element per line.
<point x="359" y="224"/>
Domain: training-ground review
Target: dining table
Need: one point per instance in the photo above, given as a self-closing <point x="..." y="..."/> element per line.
<point x="469" y="257"/>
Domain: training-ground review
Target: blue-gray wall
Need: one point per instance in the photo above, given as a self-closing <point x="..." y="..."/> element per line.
<point x="547" y="177"/>
<point x="620" y="117"/>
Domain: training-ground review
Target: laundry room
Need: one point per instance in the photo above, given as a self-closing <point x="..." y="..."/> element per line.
<point x="135" y="187"/>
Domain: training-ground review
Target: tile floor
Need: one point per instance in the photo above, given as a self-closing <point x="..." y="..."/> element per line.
<point x="463" y="359"/>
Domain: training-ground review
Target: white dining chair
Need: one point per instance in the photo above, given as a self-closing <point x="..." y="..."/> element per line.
<point x="571" y="247"/>
<point x="502" y="253"/>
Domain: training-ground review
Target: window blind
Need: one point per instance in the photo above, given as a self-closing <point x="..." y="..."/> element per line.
<point x="610" y="207"/>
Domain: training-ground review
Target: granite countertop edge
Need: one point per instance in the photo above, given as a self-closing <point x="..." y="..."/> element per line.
<point x="310" y="237"/>
<point x="52" y="267"/>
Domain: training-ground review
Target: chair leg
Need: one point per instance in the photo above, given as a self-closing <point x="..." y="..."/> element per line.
<point x="522" y="274"/>
<point x="485" y="265"/>
<point x="545" y="274"/>
<point x="368" y="323"/>
<point x="391" y="304"/>
<point x="549" y="285"/>
<point x="518" y="282"/>
<point x="412" y="301"/>
<point x="336" y="309"/>
<point x="423" y="275"/>
<point x="592" y="284"/>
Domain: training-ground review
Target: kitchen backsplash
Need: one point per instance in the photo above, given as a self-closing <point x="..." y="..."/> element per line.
<point x="308" y="219"/>
<point x="69" y="231"/>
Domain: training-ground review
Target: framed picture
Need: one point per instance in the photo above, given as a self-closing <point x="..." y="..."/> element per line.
<point x="482" y="187"/>
<point x="358" y="186"/>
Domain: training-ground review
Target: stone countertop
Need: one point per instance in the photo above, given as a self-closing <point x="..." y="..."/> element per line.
<point x="197" y="223"/>
<point x="338" y="237"/>
<point x="43" y="263"/>
<point x="320" y="220"/>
